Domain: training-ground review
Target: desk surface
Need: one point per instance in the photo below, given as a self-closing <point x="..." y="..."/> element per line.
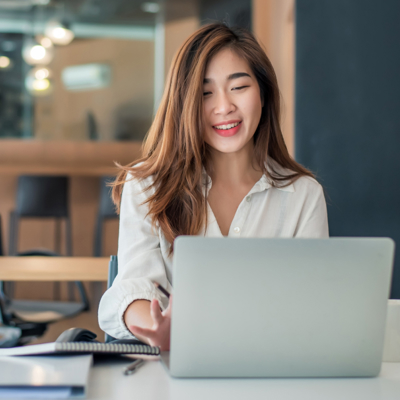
<point x="151" y="382"/>
<point x="53" y="268"/>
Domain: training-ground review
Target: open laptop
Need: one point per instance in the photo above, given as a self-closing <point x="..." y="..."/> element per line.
<point x="279" y="307"/>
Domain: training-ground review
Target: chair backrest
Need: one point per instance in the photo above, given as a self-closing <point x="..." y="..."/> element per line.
<point x="106" y="210"/>
<point x="112" y="273"/>
<point x="1" y="238"/>
<point x="106" y="206"/>
<point x="42" y="196"/>
<point x="1" y="282"/>
<point x="112" y="270"/>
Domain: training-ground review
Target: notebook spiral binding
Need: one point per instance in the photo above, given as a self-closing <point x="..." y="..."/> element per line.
<point x="114" y="348"/>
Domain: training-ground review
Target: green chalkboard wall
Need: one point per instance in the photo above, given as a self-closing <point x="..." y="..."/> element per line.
<point x="347" y="125"/>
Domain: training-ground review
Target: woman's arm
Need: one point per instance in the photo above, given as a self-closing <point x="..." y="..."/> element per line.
<point x="138" y="314"/>
<point x="140" y="263"/>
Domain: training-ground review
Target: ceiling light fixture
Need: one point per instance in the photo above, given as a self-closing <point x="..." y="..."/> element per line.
<point x="44" y="41"/>
<point x="41" y="73"/>
<point x="34" y="53"/>
<point x="5" y="62"/>
<point x="59" y="33"/>
<point x="39" y="81"/>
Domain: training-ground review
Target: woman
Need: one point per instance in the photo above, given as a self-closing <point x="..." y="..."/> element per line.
<point x="215" y="164"/>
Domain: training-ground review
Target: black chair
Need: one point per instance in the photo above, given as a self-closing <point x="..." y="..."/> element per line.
<point x="106" y="211"/>
<point x="1" y="282"/>
<point x="45" y="197"/>
<point x="112" y="273"/>
<point x="1" y="237"/>
<point x="26" y="331"/>
<point x="41" y="197"/>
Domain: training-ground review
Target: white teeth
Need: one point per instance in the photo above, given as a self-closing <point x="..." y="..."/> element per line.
<point x="229" y="126"/>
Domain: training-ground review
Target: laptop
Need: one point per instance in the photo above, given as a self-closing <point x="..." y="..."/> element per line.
<point x="279" y="307"/>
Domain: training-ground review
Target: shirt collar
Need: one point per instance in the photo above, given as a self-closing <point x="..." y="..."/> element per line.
<point x="264" y="184"/>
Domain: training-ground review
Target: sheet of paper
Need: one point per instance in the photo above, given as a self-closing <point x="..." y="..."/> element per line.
<point x="43" y="377"/>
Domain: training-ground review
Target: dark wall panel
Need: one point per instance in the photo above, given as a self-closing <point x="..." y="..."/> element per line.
<point x="347" y="125"/>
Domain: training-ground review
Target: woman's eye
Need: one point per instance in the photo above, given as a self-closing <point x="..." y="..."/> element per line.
<point x="240" y="87"/>
<point x="206" y="93"/>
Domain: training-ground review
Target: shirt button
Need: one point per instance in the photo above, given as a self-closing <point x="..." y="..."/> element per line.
<point x="236" y="230"/>
<point x="248" y="198"/>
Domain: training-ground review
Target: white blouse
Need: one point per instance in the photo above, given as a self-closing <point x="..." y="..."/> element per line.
<point x="298" y="210"/>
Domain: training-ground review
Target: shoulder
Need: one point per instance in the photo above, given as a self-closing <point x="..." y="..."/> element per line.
<point x="309" y="192"/>
<point x="304" y="185"/>
<point x="307" y="184"/>
<point x="137" y="186"/>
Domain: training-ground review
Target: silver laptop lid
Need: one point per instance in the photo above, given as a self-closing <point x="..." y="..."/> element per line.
<point x="279" y="307"/>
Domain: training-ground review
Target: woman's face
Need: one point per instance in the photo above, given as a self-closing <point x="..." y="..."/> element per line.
<point x="232" y="103"/>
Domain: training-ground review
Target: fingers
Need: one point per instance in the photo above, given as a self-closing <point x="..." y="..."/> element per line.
<point x="155" y="312"/>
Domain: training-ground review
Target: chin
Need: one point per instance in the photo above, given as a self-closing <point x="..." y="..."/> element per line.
<point x="226" y="145"/>
<point x="228" y="148"/>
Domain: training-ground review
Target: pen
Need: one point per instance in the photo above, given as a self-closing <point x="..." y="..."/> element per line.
<point x="161" y="289"/>
<point x="131" y="368"/>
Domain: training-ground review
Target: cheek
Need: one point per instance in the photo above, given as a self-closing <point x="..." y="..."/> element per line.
<point x="252" y="108"/>
<point x="206" y="112"/>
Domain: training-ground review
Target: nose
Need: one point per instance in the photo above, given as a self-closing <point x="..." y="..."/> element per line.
<point x="223" y="104"/>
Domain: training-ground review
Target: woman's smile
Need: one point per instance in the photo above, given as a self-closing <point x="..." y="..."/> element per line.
<point x="228" y="129"/>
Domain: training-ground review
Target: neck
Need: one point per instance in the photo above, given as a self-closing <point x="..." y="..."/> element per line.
<point x="234" y="168"/>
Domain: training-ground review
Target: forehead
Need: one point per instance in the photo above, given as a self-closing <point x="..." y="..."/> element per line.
<point x="224" y="63"/>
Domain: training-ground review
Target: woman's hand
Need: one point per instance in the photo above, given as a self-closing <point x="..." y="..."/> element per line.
<point x="159" y="333"/>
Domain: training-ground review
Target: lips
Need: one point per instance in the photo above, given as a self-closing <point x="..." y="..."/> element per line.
<point x="228" y="132"/>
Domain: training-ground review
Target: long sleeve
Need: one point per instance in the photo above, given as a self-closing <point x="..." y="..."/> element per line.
<point x="140" y="261"/>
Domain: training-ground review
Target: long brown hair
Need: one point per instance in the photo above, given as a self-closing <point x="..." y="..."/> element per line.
<point x="175" y="152"/>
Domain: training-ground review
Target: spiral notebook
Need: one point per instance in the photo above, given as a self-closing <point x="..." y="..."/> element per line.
<point x="59" y="348"/>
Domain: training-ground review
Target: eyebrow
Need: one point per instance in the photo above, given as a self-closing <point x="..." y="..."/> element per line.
<point x="230" y="77"/>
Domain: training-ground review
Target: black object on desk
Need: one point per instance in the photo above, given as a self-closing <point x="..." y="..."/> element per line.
<point x="77" y="335"/>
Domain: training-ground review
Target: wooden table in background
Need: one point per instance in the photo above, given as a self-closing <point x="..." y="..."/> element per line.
<point x="79" y="158"/>
<point x="54" y="268"/>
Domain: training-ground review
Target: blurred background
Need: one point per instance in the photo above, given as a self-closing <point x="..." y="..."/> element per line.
<point x="81" y="80"/>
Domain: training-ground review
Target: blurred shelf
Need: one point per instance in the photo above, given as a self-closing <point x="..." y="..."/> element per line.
<point x="74" y="158"/>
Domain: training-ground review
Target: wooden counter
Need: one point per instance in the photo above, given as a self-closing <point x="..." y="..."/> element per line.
<point x="54" y="268"/>
<point x="73" y="158"/>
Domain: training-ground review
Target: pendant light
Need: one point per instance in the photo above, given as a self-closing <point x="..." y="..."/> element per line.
<point x="39" y="81"/>
<point x="59" y="33"/>
<point x="5" y="62"/>
<point x="35" y="54"/>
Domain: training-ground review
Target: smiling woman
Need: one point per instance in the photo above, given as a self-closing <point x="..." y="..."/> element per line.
<point x="215" y="164"/>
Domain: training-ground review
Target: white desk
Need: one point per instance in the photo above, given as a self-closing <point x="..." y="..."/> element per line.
<point x="151" y="382"/>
